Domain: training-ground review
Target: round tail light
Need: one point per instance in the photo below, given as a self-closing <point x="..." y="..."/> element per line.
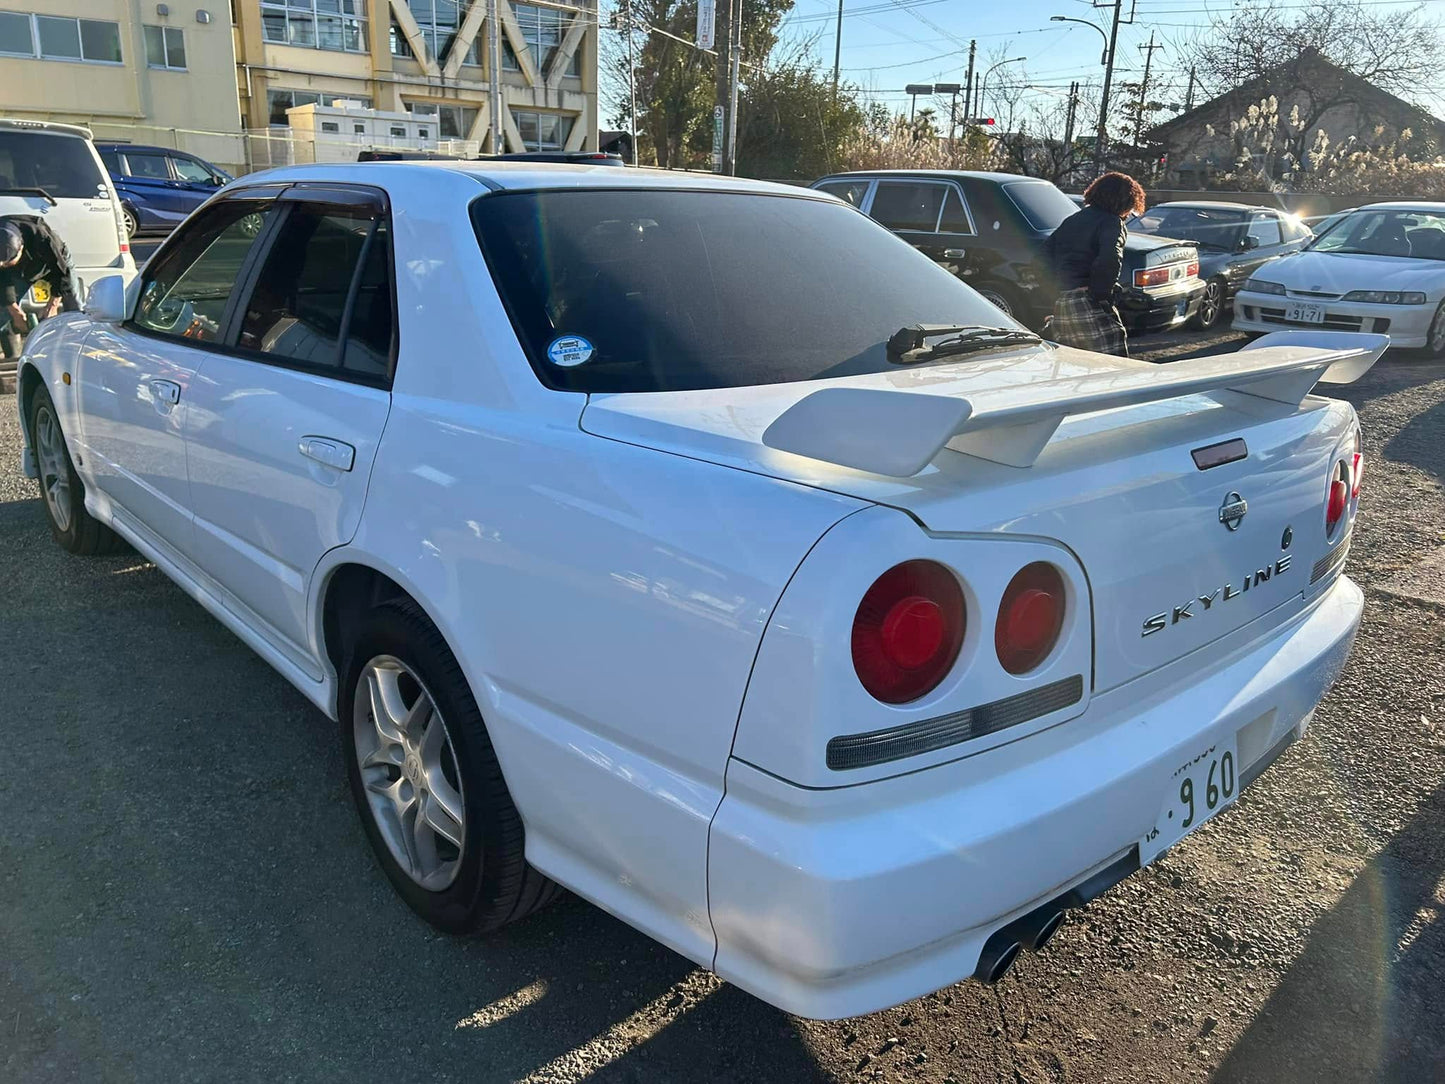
<point x="1030" y="617"/>
<point x="907" y="631"/>
<point x="1338" y="497"/>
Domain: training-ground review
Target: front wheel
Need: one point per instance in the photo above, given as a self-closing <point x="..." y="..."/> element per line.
<point x="1435" y="337"/>
<point x="1211" y="306"/>
<point x="75" y="529"/>
<point x="426" y="780"/>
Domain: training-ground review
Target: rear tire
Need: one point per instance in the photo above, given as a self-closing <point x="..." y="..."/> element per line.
<point x="1211" y="307"/>
<point x="132" y="223"/>
<point x="61" y="490"/>
<point x="469" y="874"/>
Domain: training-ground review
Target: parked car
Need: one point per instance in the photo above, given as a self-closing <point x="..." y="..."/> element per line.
<point x="158" y="186"/>
<point x="51" y="171"/>
<point x="1234" y="240"/>
<point x="693" y="543"/>
<point x="989" y="229"/>
<point x="1377" y="269"/>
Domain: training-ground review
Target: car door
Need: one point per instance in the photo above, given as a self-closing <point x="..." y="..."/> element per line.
<point x="135" y="379"/>
<point x="1266" y="241"/>
<point x="284" y="425"/>
<point x="195" y="181"/>
<point x="911" y="209"/>
<point x="149" y="179"/>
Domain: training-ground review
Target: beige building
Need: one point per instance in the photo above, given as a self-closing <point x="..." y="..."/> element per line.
<point x="429" y="58"/>
<point x="133" y="70"/>
<point x="217" y="80"/>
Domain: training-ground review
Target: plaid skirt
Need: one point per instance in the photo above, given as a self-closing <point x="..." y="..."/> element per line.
<point x="1083" y="322"/>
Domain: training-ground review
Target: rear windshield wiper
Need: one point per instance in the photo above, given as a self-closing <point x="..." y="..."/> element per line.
<point x="909" y="344"/>
<point x="46" y="196"/>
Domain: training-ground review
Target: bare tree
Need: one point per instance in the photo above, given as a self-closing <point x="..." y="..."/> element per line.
<point x="1031" y="135"/>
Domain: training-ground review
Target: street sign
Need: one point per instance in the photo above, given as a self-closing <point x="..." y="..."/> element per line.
<point x="706" y="21"/>
<point x="717" y="138"/>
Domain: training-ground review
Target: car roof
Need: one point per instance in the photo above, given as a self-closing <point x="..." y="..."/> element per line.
<point x="45" y="126"/>
<point x="111" y="145"/>
<point x="521" y="176"/>
<point x="1220" y="205"/>
<point x="974" y="174"/>
<point x="1404" y="205"/>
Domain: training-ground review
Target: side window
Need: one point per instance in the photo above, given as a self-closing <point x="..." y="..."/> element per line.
<point x="955" y="215"/>
<point x="368" y="335"/>
<point x="297" y="306"/>
<point x="150" y="166"/>
<point x="908" y="205"/>
<point x="850" y="191"/>
<point x="185" y="294"/>
<point x="1265" y="230"/>
<point x="190" y="170"/>
<point x="1294" y="229"/>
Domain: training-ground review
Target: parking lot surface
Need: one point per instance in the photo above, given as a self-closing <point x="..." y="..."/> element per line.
<point x="186" y="893"/>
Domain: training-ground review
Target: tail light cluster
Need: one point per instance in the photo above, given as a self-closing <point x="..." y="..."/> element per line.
<point x="910" y="625"/>
<point x="1337" y="498"/>
<point x="1357" y="468"/>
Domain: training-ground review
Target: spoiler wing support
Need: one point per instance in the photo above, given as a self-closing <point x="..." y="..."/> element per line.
<point x="897" y="433"/>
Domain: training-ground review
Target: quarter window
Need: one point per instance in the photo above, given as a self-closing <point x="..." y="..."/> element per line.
<point x="847" y="191"/>
<point x="369" y="334"/>
<point x="908" y="205"/>
<point x="165" y="47"/>
<point x="185" y="295"/>
<point x="297" y="308"/>
<point x="955" y="215"/>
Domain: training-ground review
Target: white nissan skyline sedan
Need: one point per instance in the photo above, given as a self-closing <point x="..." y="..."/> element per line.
<point x="1378" y="269"/>
<point x="700" y="546"/>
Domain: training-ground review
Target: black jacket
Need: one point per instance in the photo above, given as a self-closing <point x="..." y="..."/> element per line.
<point x="44" y="257"/>
<point x="1087" y="250"/>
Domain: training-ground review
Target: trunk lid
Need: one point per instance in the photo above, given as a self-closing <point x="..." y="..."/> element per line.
<point x="1119" y="487"/>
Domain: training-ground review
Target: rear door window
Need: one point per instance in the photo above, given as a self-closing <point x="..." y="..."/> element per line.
<point x="152" y="167"/>
<point x="60" y="164"/>
<point x="297" y="308"/>
<point x="187" y="290"/>
<point x="909" y="205"/>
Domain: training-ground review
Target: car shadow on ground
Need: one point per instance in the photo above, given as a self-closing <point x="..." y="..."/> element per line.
<point x="1418" y="442"/>
<point x="1363" y="1001"/>
<point x="186" y="892"/>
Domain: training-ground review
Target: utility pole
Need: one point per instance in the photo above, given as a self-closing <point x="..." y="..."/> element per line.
<point x="726" y="10"/>
<point x="737" y="54"/>
<point x="1189" y="95"/>
<point x="1144" y="87"/>
<point x="624" y="20"/>
<point x="494" y="78"/>
<point x="1102" y="134"/>
<point x="837" y="49"/>
<point x="1068" y="162"/>
<point x="968" y="88"/>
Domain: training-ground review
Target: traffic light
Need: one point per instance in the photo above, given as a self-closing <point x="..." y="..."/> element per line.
<point x="984" y="120"/>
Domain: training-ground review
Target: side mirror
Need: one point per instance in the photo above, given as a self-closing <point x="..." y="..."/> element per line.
<point x="1247" y="242"/>
<point x="108" y="301"/>
<point x="218" y="180"/>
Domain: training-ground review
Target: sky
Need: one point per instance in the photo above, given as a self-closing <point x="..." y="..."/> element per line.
<point x="888" y="44"/>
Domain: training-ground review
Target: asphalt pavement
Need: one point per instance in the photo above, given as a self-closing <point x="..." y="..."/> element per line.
<point x="186" y="894"/>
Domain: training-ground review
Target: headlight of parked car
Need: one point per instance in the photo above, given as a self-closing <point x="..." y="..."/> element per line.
<point x="1260" y="286"/>
<point x="1384" y="297"/>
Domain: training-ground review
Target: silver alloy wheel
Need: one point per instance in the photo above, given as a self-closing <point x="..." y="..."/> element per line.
<point x="54" y="470"/>
<point x="1436" y="338"/>
<point x="131" y="222"/>
<point x="409" y="772"/>
<point x="996" y="299"/>
<point x="1211" y="303"/>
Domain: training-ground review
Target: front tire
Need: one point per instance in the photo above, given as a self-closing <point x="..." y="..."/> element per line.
<point x="1211" y="306"/>
<point x="1435" y="337"/>
<point x="61" y="490"/>
<point x="426" y="780"/>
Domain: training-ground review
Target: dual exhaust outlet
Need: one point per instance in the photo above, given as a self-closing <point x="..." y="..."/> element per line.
<point x="1033" y="931"/>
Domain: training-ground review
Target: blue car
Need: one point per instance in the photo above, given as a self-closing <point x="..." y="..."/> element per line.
<point x="157" y="186"/>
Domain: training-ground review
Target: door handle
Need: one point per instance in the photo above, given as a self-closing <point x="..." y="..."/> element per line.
<point x="336" y="454"/>
<point x="166" y="391"/>
<point x="954" y="253"/>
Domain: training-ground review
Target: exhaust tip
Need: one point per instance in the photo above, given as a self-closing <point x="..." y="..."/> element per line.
<point x="1045" y="933"/>
<point x="996" y="960"/>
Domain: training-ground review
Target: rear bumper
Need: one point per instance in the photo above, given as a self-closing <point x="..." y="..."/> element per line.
<point x="836" y="902"/>
<point x="1146" y="311"/>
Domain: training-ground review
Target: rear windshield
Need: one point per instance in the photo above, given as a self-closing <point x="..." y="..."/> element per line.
<point x="60" y="164"/>
<point x="662" y="290"/>
<point x="1209" y="227"/>
<point x="1042" y="204"/>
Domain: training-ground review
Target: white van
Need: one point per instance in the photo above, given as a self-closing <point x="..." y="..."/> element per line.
<point x="52" y="171"/>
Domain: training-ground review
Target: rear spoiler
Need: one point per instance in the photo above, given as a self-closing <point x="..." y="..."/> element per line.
<point x="898" y="432"/>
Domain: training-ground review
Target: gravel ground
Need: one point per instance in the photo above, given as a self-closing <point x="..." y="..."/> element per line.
<point x="185" y="893"/>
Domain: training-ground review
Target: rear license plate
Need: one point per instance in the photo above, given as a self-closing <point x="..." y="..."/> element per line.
<point x="1296" y="313"/>
<point x="40" y="293"/>
<point x="1198" y="789"/>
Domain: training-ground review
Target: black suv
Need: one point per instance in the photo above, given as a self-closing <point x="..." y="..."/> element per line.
<point x="989" y="229"/>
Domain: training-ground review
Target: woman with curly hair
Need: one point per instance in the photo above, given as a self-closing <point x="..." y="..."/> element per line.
<point x="1085" y="254"/>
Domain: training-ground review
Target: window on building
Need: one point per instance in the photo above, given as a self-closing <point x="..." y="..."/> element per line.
<point x="542" y="30"/>
<point x="17" y="37"/>
<point x="358" y="129"/>
<point x="438" y="21"/>
<point x="423" y="133"/>
<point x="330" y="126"/>
<point x="165" y="47"/>
<point x="336" y="25"/>
<point x="93" y="40"/>
<point x="398" y="131"/>
<point x="278" y="101"/>
<point x="543" y="131"/>
<point x="453" y="121"/>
